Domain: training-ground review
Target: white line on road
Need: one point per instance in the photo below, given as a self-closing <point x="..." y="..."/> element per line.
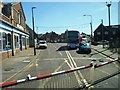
<point x="84" y="80"/>
<point x="67" y="63"/>
<point x="60" y="53"/>
<point x="72" y="66"/>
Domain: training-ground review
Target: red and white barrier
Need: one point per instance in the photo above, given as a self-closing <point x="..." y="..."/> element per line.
<point x="29" y="78"/>
<point x="105" y="63"/>
<point x="15" y="82"/>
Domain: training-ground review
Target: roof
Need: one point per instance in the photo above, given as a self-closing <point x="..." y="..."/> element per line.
<point x="100" y="27"/>
<point x="15" y="3"/>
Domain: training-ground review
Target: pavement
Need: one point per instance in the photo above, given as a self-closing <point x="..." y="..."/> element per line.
<point x="13" y="64"/>
<point x="111" y="53"/>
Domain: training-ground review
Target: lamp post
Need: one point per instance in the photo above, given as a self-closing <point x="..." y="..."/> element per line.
<point x="33" y="30"/>
<point x="108" y="5"/>
<point x="90" y="24"/>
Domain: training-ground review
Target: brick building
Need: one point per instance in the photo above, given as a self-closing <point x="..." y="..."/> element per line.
<point x="109" y="33"/>
<point x="13" y="33"/>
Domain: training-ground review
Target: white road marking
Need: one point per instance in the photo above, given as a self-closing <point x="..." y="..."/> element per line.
<point x="84" y="80"/>
<point x="60" y="53"/>
<point x="26" y="60"/>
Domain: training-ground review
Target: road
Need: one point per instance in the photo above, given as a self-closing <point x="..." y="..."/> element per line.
<point x="57" y="58"/>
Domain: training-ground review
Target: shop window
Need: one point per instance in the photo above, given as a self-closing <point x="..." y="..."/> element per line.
<point x="9" y="41"/>
<point x="4" y="36"/>
<point x="6" y="41"/>
<point x="27" y="41"/>
<point x="24" y="41"/>
<point x="16" y="41"/>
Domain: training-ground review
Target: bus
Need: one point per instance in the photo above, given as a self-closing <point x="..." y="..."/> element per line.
<point x="72" y="37"/>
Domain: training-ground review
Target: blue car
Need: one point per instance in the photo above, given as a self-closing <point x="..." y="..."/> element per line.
<point x="84" y="47"/>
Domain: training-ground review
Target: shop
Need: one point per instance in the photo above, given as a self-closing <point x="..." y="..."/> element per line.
<point x="12" y="40"/>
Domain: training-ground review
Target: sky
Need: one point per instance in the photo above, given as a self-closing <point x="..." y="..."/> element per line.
<point x="59" y="16"/>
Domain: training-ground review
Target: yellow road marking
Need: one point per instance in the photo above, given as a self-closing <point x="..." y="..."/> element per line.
<point x="59" y="67"/>
<point x="67" y="58"/>
<point x="54" y="59"/>
<point x="30" y="65"/>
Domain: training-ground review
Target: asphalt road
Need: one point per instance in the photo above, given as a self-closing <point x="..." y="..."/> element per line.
<point x="57" y="58"/>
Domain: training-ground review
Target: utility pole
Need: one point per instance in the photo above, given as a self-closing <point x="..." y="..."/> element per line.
<point x="90" y="26"/>
<point x="108" y="5"/>
<point x="33" y="30"/>
<point x="37" y="31"/>
<point x="102" y="33"/>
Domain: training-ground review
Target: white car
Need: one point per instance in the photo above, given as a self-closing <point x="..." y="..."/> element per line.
<point x="42" y="44"/>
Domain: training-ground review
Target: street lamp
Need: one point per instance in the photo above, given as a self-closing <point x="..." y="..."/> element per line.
<point x="90" y="24"/>
<point x="108" y="5"/>
<point x="33" y="30"/>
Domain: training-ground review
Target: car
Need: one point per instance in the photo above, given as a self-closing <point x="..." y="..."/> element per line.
<point x="42" y="44"/>
<point x="103" y="42"/>
<point x="84" y="47"/>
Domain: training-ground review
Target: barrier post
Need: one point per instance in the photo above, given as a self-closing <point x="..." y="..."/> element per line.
<point x="92" y="71"/>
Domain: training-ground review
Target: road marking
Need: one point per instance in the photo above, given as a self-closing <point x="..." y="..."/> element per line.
<point x="59" y="67"/>
<point x="84" y="80"/>
<point x="107" y="73"/>
<point x="26" y="61"/>
<point x="67" y="62"/>
<point x="24" y="68"/>
<point x="69" y="59"/>
<point x="72" y="66"/>
<point x="31" y="65"/>
<point x="54" y="59"/>
<point x="106" y="57"/>
<point x="75" y="58"/>
<point x="60" y="53"/>
<point x="18" y="72"/>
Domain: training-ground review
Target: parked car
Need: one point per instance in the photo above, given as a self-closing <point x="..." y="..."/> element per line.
<point x="84" y="47"/>
<point x="105" y="42"/>
<point x="42" y="44"/>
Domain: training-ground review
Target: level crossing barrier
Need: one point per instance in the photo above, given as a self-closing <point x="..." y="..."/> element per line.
<point x="60" y="79"/>
<point x="61" y="76"/>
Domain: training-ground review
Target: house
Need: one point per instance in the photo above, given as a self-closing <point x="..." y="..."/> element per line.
<point x="109" y="33"/>
<point x="13" y="33"/>
<point x="101" y="33"/>
<point x="114" y="34"/>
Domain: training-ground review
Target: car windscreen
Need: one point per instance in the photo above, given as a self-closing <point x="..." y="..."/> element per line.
<point x="42" y="42"/>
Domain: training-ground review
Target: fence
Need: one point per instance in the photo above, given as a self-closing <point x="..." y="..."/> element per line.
<point x="63" y="79"/>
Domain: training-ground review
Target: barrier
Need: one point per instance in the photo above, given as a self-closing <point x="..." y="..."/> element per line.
<point x="61" y="79"/>
<point x="29" y="78"/>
